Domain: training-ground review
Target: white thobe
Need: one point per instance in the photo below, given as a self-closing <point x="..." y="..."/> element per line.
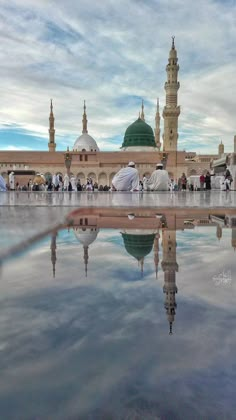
<point x="55" y="180"/>
<point x="2" y="184"/>
<point x="158" y="181"/>
<point x="12" y="181"/>
<point x="66" y="182"/>
<point x="127" y="179"/>
<point x="73" y="183"/>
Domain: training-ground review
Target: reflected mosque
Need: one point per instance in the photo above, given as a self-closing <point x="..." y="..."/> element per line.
<point x="141" y="144"/>
<point x="143" y="239"/>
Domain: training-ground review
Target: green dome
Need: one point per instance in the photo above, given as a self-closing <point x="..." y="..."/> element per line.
<point x="138" y="245"/>
<point x="139" y="134"/>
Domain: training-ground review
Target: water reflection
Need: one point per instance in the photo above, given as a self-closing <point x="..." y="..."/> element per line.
<point x="139" y="241"/>
<point x="86" y="315"/>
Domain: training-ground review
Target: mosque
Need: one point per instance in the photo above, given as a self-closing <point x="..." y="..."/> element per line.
<point x="141" y="144"/>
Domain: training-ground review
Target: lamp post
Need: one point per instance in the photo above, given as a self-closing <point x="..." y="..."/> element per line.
<point x="68" y="160"/>
<point x="164" y="160"/>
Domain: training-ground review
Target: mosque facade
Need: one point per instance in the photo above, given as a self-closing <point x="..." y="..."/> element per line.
<point x="141" y="144"/>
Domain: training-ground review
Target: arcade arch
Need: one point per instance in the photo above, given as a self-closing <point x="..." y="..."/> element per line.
<point x="102" y="179"/>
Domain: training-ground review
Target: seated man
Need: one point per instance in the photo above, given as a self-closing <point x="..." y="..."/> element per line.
<point x="127" y="179"/>
<point x="158" y="181"/>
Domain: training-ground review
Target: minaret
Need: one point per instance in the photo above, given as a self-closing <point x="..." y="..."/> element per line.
<point x="156" y="252"/>
<point x="53" y="252"/>
<point x="142" y="116"/>
<point x="86" y="257"/>
<point x="219" y="232"/>
<point x="51" y="144"/>
<point x="234" y="144"/>
<point x="221" y="149"/>
<point x="233" y="238"/>
<point x="169" y="266"/>
<point x="85" y="121"/>
<point x="157" y="128"/>
<point x="171" y="110"/>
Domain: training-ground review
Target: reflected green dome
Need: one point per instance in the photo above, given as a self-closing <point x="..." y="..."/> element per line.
<point x="138" y="245"/>
<point x="139" y="134"/>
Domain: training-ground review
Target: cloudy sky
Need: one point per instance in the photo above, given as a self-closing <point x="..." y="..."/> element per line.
<point x="113" y="54"/>
<point x="98" y="346"/>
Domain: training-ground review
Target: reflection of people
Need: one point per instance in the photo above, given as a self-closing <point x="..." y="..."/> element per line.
<point x="183" y="182"/>
<point x="12" y="181"/>
<point x="158" y="181"/>
<point x="2" y="184"/>
<point x="202" y="182"/>
<point x="66" y="182"/>
<point x="208" y="181"/>
<point x="127" y="179"/>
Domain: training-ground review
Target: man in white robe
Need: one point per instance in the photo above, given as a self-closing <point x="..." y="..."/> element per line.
<point x="2" y="184"/>
<point x="12" y="181"/>
<point x="127" y="179"/>
<point x="66" y="182"/>
<point x="158" y="181"/>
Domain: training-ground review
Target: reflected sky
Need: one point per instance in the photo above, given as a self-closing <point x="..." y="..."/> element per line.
<point x="97" y="345"/>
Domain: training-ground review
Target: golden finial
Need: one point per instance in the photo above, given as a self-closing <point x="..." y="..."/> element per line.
<point x="51" y="106"/>
<point x="173" y="42"/>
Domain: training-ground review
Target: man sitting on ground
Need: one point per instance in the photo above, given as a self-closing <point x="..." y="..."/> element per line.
<point x="127" y="179"/>
<point x="158" y="181"/>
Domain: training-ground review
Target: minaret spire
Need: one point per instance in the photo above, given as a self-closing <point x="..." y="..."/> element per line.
<point x="51" y="144"/>
<point x="169" y="266"/>
<point x="142" y="112"/>
<point x="86" y="257"/>
<point x="53" y="252"/>
<point x="156" y="252"/>
<point x="171" y="110"/>
<point x="173" y="42"/>
<point x="157" y="128"/>
<point x="85" y="121"/>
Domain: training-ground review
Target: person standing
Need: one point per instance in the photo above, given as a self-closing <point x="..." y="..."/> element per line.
<point x="183" y="182"/>
<point x="158" y="181"/>
<point x="126" y="179"/>
<point x="12" y="181"/>
<point x="202" y="182"/>
<point x="208" y="180"/>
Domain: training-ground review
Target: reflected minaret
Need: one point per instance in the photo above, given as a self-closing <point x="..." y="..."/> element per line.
<point x="169" y="266"/>
<point x="51" y="144"/>
<point x="157" y="127"/>
<point x="156" y="252"/>
<point x="86" y="258"/>
<point x="53" y="252"/>
<point x="233" y="238"/>
<point x="219" y="232"/>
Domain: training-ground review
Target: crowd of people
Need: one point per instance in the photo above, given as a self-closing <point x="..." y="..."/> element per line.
<point x="126" y="179"/>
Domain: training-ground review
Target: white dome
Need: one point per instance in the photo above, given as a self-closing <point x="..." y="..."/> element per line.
<point x="85" y="142"/>
<point x="86" y="237"/>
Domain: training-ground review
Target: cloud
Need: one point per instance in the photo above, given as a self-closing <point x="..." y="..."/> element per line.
<point x="101" y="53"/>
